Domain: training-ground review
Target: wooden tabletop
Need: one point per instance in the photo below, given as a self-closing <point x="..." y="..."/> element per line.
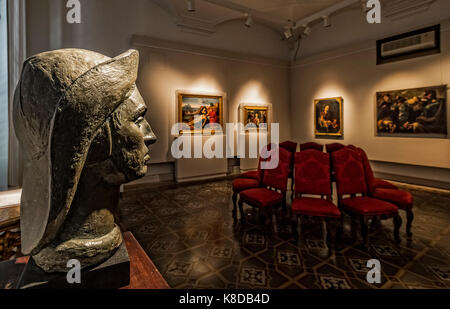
<point x="143" y="273"/>
<point x="9" y="216"/>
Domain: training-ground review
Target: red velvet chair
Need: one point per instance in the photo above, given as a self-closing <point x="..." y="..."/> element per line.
<point x="377" y="183"/>
<point x="272" y="193"/>
<point x="312" y="177"/>
<point x="248" y="180"/>
<point x="292" y="148"/>
<point x="311" y="145"/>
<point x="403" y="199"/>
<point x="334" y="147"/>
<point x="351" y="181"/>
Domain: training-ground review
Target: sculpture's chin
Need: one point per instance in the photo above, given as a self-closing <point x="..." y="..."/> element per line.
<point x="138" y="173"/>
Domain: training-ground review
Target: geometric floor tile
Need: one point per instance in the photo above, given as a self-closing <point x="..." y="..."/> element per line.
<point x="189" y="233"/>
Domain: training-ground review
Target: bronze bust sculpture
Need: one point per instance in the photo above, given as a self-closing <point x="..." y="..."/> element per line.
<point x="79" y="118"/>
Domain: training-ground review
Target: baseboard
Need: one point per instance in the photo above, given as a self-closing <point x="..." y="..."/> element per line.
<point x="414" y="180"/>
<point x="199" y="178"/>
<point x="160" y="172"/>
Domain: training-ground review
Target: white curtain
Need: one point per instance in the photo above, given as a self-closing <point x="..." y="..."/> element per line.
<point x="16" y="57"/>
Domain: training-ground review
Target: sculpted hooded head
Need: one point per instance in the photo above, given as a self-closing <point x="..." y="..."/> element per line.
<point x="79" y="118"/>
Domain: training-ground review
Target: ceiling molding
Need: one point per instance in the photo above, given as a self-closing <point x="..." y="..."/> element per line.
<point x="142" y="41"/>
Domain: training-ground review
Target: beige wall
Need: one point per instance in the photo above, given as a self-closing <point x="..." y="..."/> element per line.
<point x="353" y="74"/>
<point x="168" y="67"/>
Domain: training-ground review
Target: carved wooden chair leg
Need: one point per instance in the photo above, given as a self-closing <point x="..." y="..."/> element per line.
<point x="331" y="233"/>
<point x="294" y="226"/>
<point x="397" y="224"/>
<point x="324" y="229"/>
<point x="340" y="229"/>
<point x="353" y="226"/>
<point x="364" y="230"/>
<point x="274" y="220"/>
<point x="409" y="220"/>
<point x="241" y="210"/>
<point x="299" y="226"/>
<point x="234" y="213"/>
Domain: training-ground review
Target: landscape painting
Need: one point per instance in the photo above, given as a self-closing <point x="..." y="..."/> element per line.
<point x="197" y="111"/>
<point x="418" y="112"/>
<point x="256" y="116"/>
<point x="328" y="117"/>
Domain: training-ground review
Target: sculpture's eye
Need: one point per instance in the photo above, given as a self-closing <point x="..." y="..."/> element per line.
<point x="139" y="120"/>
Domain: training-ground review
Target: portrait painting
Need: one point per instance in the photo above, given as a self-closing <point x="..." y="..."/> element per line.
<point x="328" y="117"/>
<point x="256" y="116"/>
<point x="418" y="112"/>
<point x="199" y="111"/>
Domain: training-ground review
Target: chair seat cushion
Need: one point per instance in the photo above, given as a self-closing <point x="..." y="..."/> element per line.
<point x="403" y="199"/>
<point x="261" y="197"/>
<point x="251" y="175"/>
<point x="368" y="206"/>
<point x="380" y="183"/>
<point x="315" y="207"/>
<point x="240" y="184"/>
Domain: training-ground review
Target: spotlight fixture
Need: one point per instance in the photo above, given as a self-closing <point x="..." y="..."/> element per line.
<point x="191" y="5"/>
<point x="364" y="6"/>
<point x="288" y="32"/>
<point x="326" y="21"/>
<point x="307" y="30"/>
<point x="249" y="20"/>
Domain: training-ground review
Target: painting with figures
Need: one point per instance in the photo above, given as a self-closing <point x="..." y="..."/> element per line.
<point x="256" y="116"/>
<point x="328" y="117"/>
<point x="199" y="111"/>
<point x="420" y="112"/>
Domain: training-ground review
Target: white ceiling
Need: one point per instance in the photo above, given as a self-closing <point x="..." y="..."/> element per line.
<point x="211" y="13"/>
<point x="276" y="14"/>
<point x="287" y="9"/>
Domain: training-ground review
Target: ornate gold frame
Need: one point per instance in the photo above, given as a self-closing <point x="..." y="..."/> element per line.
<point x="180" y="110"/>
<point x="261" y="108"/>
<point x="340" y="100"/>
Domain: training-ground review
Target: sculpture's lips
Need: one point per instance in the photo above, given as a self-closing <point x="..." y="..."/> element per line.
<point x="147" y="159"/>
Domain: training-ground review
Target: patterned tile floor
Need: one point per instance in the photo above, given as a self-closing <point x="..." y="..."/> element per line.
<point x="188" y="232"/>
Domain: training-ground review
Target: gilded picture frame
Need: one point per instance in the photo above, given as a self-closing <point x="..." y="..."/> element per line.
<point x="207" y="108"/>
<point x="257" y="115"/>
<point x="328" y="117"/>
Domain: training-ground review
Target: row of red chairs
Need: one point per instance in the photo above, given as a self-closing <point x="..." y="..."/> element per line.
<point x="359" y="192"/>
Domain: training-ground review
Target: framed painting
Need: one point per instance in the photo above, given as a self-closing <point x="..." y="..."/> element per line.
<point x="328" y="115"/>
<point x="256" y="116"/>
<point x="197" y="111"/>
<point x="417" y="112"/>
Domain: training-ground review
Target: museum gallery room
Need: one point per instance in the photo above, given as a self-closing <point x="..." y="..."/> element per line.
<point x="224" y="144"/>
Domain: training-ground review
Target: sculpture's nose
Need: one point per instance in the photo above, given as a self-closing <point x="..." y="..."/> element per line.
<point x="149" y="136"/>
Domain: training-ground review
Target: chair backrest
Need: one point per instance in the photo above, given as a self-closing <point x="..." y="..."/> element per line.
<point x="266" y="148"/>
<point x="311" y="145"/>
<point x="352" y="147"/>
<point x="278" y="177"/>
<point x="334" y="147"/>
<point x="312" y="173"/>
<point x="289" y="146"/>
<point x="349" y="172"/>
<point x="368" y="172"/>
